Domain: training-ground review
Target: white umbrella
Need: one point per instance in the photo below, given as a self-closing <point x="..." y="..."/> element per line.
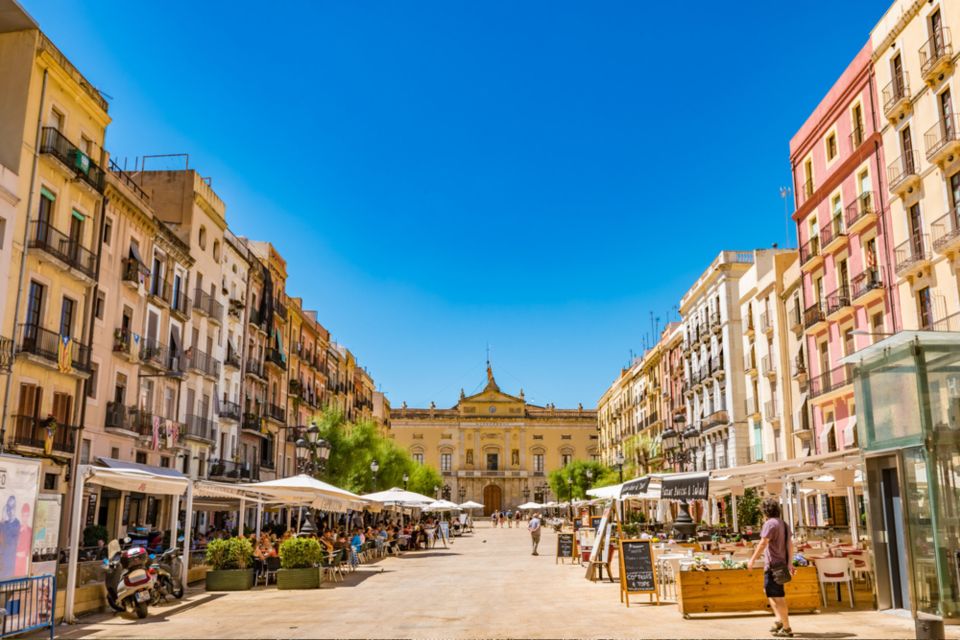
<point x="400" y="497"/>
<point x="529" y="505"/>
<point x="442" y="505"/>
<point x="308" y="489"/>
<point x="470" y="504"/>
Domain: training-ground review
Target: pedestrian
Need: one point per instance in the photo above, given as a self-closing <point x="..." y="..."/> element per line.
<point x="493" y="518"/>
<point x="534" y="528"/>
<point x="500" y="518"/>
<point x="510" y="518"/>
<point x="775" y="545"/>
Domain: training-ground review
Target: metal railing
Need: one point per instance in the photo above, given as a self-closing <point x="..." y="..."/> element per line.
<point x="864" y="282"/>
<point x="831" y="380"/>
<point x="57" y="145"/>
<point x="207" y="305"/>
<point x="254" y="367"/>
<point x="49" y="239"/>
<point x="31" y="431"/>
<point x="199" y="428"/>
<point x="715" y="419"/>
<point x="28" y="604"/>
<point x="809" y="250"/>
<point x="202" y="362"/>
<point x="938" y="48"/>
<point x="856" y="137"/>
<point x="912" y="252"/>
<point x="160" y="288"/>
<point x="230" y="470"/>
<point x="276" y="412"/>
<point x="833" y="230"/>
<point x="38" y="341"/>
<point x="159" y="355"/>
<point x="230" y="410"/>
<point x="251" y="422"/>
<point x="812" y="315"/>
<point x="940" y="135"/>
<point x="946" y="229"/>
<point x="859" y="208"/>
<point x="838" y="299"/>
<point x="180" y="302"/>
<point x="276" y="358"/>
<point x="895" y="91"/>
<point x="903" y="168"/>
<point x="233" y="358"/>
<point x="128" y="180"/>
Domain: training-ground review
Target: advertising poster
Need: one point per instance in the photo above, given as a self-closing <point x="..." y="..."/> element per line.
<point x="46" y="524"/>
<point x="19" y="486"/>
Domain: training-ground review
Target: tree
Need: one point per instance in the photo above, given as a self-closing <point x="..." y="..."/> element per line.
<point x="560" y="479"/>
<point x="748" y="508"/>
<point x="424" y="478"/>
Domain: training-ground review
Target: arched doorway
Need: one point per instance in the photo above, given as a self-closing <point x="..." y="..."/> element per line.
<point x="492" y="499"/>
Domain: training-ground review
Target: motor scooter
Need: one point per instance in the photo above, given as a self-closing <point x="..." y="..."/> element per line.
<point x="168" y="570"/>
<point x="129" y="580"/>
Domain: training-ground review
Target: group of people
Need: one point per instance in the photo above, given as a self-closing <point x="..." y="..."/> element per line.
<point x="508" y="517"/>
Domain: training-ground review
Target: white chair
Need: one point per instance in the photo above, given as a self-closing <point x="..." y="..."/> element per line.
<point x="862" y="566"/>
<point x="834" y="571"/>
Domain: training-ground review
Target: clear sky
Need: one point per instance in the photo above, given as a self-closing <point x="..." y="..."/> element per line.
<point x="440" y="176"/>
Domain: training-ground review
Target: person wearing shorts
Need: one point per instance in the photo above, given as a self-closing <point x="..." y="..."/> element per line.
<point x="775" y="546"/>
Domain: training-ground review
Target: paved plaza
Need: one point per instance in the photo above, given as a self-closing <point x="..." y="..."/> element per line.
<point x="484" y="585"/>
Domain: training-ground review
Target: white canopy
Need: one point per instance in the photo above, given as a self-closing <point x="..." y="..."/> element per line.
<point x="470" y="504"/>
<point x="400" y="497"/>
<point x="613" y="491"/>
<point x="442" y="505"/>
<point x="530" y="505"/>
<point x="319" y="494"/>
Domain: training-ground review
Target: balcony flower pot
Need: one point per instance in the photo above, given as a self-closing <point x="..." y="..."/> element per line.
<point x="230" y="580"/>
<point x="307" y="578"/>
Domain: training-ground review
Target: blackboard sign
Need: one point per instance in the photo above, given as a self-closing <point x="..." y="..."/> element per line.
<point x="91" y="508"/>
<point x="637" y="571"/>
<point x="564" y="545"/>
<point x="595" y="521"/>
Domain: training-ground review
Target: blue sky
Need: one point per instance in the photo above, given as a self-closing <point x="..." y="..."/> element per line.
<point x="536" y="176"/>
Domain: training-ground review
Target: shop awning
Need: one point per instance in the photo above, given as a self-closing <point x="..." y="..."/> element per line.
<point x="143" y="478"/>
<point x="848" y="431"/>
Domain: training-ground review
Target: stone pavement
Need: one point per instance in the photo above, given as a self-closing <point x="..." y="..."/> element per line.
<point x="484" y="585"/>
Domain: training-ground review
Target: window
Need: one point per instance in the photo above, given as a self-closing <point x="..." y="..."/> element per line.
<point x="92" y="381"/>
<point x="538" y="463"/>
<point x="808" y="176"/>
<point x="216" y="250"/>
<point x="35" y="297"/>
<point x="99" y="304"/>
<point x="3" y="231"/>
<point x="57" y="119"/>
<point x="66" y="317"/>
<point x="86" y="145"/>
<point x="493" y="461"/>
<point x="107" y="231"/>
<point x="115" y="453"/>
<point x="856" y="137"/>
<point x="141" y="457"/>
<point x="446" y="461"/>
<point x="165" y="462"/>
<point x="566" y="458"/>
<point x="925" y="309"/>
<point x="831" y="146"/>
<point x="906" y="140"/>
<point x="418" y="458"/>
<point x="848" y="344"/>
<point x="202" y="238"/>
<point x="876" y="326"/>
<point x="85" y="451"/>
<point x="50" y="481"/>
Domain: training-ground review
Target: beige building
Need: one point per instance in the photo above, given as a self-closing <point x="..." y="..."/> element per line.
<point x="493" y="447"/>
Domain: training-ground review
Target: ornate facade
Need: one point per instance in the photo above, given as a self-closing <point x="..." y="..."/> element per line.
<point x="496" y="448"/>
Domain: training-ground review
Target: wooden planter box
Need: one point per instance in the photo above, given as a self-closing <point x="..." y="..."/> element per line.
<point x="230" y="580"/>
<point x="298" y="578"/>
<point x="739" y="590"/>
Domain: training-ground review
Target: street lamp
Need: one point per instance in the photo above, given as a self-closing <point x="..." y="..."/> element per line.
<point x="570" y="480"/>
<point x="436" y="492"/>
<point x="312" y="451"/>
<point x="374" y="466"/>
<point x="526" y="493"/>
<point x="462" y="492"/>
<point x="589" y="475"/>
<point x="406" y="479"/>
<point x="620" y="464"/>
<point x="446" y="492"/>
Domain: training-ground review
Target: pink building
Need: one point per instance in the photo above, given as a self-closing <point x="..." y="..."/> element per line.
<point x="846" y="256"/>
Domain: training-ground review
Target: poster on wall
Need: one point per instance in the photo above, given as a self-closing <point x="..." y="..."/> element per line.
<point x="19" y="486"/>
<point x="46" y="524"/>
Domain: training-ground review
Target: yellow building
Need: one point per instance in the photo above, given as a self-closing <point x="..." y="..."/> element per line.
<point x="52" y="127"/>
<point x="493" y="447"/>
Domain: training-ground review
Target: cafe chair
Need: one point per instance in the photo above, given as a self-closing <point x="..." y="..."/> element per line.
<point x="862" y="566"/>
<point x="270" y="567"/>
<point x="834" y="571"/>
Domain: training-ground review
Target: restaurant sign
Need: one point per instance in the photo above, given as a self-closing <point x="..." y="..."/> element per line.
<point x="685" y="487"/>
<point x="635" y="487"/>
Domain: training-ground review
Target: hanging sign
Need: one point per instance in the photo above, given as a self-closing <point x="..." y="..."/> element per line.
<point x="685" y="487"/>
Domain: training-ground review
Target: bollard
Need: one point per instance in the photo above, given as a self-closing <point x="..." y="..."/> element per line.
<point x="929" y="629"/>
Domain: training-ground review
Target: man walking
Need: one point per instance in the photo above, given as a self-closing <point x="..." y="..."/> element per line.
<point x="534" y="528"/>
<point x="775" y="546"/>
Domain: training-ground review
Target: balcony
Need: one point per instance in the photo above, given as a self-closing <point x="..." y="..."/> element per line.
<point x="833" y="235"/>
<point x="235" y="308"/>
<point x="857" y="136"/>
<point x="942" y="140"/>
<point x="229" y="410"/>
<point x="896" y="99"/>
<point x="768" y="367"/>
<point x="715" y="420"/>
<point x="750" y="363"/>
<point x="255" y="368"/>
<point x="716" y="366"/>
<point x="912" y="256"/>
<point x="233" y="358"/>
<point x="6" y="354"/>
<point x="810" y="253"/>
<point x="180" y="304"/>
<point x="771" y="412"/>
<point x="751" y="406"/>
<point x="130" y="420"/>
<point x="160" y="290"/>
<point x="257" y="321"/>
<point x="198" y="428"/>
<point x="158" y="356"/>
<point x="814" y="317"/>
<point x="280" y="308"/>
<point x="276" y="413"/>
<point x="276" y="358"/>
<point x="131" y="273"/>
<point x="795" y="317"/>
<point x="56" y="144"/>
<point x="715" y="323"/>
<point x="294" y="388"/>
<point x="765" y="325"/>
<point x="860" y="213"/>
<point x="838" y="302"/>
<point x="832" y="381"/>
<point x="946" y="232"/>
<point x="936" y="56"/>
<point x="748" y="330"/>
<point x="123" y="344"/>
<point x="866" y="285"/>
<point x="66" y="250"/>
<point x="947" y="323"/>
<point x="903" y="174"/>
<point x="37" y="342"/>
<point x="252" y="423"/>
<point x="230" y="471"/>
<point x="207" y="305"/>
<point x="800" y="372"/>
<point x="202" y="363"/>
<point x="32" y="432"/>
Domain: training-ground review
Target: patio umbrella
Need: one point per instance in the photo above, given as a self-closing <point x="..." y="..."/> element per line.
<point x="529" y="505"/>
<point x="470" y="504"/>
<point x="442" y="505"/>
<point x="400" y="497"/>
<point x="307" y="489"/>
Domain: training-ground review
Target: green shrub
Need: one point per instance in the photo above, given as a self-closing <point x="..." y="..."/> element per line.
<point x="229" y="553"/>
<point x="94" y="533"/>
<point x="300" y="553"/>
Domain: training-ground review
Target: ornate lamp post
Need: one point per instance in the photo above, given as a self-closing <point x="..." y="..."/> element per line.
<point x="374" y="467"/>
<point x="620" y="461"/>
<point x="312" y="452"/>
<point x="406" y="478"/>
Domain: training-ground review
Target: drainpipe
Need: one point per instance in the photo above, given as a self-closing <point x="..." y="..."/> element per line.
<point x="23" y="259"/>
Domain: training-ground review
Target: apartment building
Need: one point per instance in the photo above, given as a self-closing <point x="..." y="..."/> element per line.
<point x="254" y="435"/>
<point x="53" y="129"/>
<point x="914" y="61"/>
<point x="616" y="413"/>
<point x="716" y="434"/>
<point x="673" y="405"/>
<point x="846" y="251"/>
<point x="769" y="393"/>
<point x="796" y="363"/>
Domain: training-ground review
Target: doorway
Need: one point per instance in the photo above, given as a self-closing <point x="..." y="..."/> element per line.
<point x="492" y="499"/>
<point x="887" y="522"/>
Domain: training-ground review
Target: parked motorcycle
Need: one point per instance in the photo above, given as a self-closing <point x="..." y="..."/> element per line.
<point x="168" y="569"/>
<point x="129" y="580"/>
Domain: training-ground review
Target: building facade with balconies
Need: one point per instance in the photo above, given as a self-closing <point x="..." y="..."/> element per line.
<point x="846" y="250"/>
<point x="617" y="413"/>
<point x="795" y="374"/>
<point x="715" y="435"/>
<point x="495" y="446"/>
<point x="769" y="394"/>
<point x="54" y="226"/>
<point x="915" y="57"/>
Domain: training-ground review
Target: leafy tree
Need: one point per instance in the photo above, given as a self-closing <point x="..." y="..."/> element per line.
<point x="424" y="478"/>
<point x="575" y="473"/>
<point x="748" y="508"/>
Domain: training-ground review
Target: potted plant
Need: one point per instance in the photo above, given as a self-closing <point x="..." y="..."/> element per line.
<point x="231" y="565"/>
<point x="299" y="562"/>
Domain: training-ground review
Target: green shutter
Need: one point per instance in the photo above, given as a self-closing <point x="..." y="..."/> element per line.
<point x="46" y="193"/>
<point x="79" y="216"/>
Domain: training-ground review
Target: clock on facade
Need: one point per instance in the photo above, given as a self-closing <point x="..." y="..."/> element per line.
<point x="492" y="409"/>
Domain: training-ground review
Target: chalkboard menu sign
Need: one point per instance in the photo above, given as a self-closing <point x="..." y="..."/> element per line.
<point x="564" y="545"/>
<point x="595" y="521"/>
<point x="637" y="571"/>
